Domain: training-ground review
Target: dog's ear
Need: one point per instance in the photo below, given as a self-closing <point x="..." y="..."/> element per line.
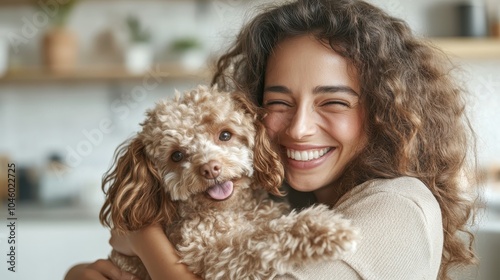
<point x="135" y="197"/>
<point x="268" y="169"/>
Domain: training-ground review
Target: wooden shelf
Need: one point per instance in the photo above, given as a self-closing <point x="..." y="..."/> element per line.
<point x="462" y="48"/>
<point x="101" y="74"/>
<point x="469" y="48"/>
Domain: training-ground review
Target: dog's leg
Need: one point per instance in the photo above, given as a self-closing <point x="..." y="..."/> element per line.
<point x="277" y="246"/>
<point x="314" y="234"/>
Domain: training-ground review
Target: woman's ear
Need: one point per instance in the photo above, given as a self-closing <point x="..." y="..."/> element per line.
<point x="268" y="169"/>
<point x="136" y="197"/>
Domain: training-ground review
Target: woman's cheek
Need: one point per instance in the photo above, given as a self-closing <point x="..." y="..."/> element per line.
<point x="274" y="123"/>
<point x="271" y="125"/>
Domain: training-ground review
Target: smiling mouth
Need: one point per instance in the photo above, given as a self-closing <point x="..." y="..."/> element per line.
<point x="307" y="155"/>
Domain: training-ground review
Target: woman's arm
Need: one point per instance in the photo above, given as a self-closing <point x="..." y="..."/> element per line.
<point x="154" y="249"/>
<point x="98" y="270"/>
<point x="401" y="234"/>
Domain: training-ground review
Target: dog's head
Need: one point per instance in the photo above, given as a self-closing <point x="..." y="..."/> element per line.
<point x="201" y="148"/>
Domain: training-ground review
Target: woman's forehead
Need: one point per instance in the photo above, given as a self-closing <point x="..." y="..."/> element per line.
<point x="305" y="62"/>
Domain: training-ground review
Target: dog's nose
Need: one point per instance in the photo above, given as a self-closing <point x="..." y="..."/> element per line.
<point x="211" y="170"/>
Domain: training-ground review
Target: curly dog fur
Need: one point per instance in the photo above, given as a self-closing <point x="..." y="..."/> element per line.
<point x="203" y="167"/>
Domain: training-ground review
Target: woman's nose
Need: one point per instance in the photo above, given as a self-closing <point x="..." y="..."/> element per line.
<point x="302" y="124"/>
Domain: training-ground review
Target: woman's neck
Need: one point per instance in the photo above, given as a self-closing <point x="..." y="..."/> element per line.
<point x="328" y="195"/>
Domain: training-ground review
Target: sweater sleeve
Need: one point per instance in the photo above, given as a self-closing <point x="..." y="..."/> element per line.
<point x="401" y="229"/>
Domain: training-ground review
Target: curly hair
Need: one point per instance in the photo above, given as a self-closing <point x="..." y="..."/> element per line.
<point x="416" y="121"/>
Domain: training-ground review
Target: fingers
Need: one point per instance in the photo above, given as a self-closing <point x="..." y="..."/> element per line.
<point x="104" y="268"/>
<point x="98" y="270"/>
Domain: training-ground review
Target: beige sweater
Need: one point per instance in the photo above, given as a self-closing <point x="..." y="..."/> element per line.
<point x="402" y="234"/>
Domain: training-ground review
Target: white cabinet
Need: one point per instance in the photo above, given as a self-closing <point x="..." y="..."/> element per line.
<point x="46" y="249"/>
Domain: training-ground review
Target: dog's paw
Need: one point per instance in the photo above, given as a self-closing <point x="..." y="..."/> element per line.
<point x="323" y="233"/>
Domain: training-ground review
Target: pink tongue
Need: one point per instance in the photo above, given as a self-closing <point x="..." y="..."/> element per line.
<point x="221" y="191"/>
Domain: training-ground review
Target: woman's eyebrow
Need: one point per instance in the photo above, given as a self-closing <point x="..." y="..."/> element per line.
<point x="333" y="89"/>
<point x="316" y="90"/>
<point x="280" y="89"/>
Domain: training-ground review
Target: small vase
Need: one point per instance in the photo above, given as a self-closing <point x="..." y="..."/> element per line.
<point x="192" y="59"/>
<point x="60" y="50"/>
<point x="138" y="58"/>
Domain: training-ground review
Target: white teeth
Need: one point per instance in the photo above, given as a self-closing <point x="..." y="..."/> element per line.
<point x="306" y="155"/>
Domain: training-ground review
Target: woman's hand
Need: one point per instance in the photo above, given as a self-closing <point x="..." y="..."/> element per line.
<point x="154" y="249"/>
<point x="128" y="243"/>
<point x="121" y="242"/>
<point x="105" y="269"/>
<point x="98" y="270"/>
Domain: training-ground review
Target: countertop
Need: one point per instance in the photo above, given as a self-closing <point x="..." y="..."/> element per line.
<point x="34" y="212"/>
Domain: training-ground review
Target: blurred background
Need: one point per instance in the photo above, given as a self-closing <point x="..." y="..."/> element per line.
<point x="77" y="76"/>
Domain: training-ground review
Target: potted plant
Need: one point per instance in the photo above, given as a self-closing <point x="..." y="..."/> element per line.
<point x="139" y="55"/>
<point x="60" y="44"/>
<point x="189" y="52"/>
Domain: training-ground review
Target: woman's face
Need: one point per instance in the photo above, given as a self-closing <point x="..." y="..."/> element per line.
<point x="313" y="112"/>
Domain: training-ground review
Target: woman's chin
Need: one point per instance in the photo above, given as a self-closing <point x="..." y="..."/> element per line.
<point x="301" y="184"/>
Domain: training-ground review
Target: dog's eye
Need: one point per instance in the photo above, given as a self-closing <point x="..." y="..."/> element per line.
<point x="225" y="136"/>
<point x="177" y="156"/>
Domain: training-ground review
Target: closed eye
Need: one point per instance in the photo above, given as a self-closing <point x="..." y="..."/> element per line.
<point x="273" y="102"/>
<point x="278" y="106"/>
<point x="335" y="103"/>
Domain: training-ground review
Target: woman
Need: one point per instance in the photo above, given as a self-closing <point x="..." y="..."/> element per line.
<point x="369" y="122"/>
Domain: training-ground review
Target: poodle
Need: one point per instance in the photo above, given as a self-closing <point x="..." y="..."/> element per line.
<point x="203" y="168"/>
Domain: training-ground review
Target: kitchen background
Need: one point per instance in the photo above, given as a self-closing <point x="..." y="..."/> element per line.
<point x="77" y="76"/>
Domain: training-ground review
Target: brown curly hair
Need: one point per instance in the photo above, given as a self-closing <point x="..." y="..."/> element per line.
<point x="416" y="121"/>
